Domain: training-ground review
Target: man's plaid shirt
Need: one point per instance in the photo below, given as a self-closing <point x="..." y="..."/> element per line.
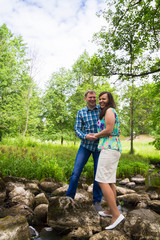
<point x="86" y="122"/>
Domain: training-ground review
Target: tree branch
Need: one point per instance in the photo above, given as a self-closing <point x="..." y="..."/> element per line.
<point x="136" y="75"/>
<point x="129" y="74"/>
<point x="125" y="13"/>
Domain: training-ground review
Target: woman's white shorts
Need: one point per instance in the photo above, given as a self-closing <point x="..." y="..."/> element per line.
<point x="107" y="166"/>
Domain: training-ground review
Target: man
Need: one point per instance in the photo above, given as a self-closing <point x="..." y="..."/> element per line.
<point x="86" y="123"/>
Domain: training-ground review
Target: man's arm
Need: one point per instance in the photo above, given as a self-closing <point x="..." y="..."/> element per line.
<point x="78" y="126"/>
<point x="78" y="129"/>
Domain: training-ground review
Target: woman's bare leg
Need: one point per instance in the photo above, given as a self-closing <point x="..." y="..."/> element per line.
<point x="112" y="185"/>
<point x="109" y="195"/>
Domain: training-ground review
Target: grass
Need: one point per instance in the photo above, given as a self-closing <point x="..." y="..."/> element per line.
<point x="32" y="159"/>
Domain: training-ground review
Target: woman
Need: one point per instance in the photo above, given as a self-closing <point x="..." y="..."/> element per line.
<point x="110" y="147"/>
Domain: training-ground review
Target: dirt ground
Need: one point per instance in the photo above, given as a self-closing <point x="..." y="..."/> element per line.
<point x="144" y="138"/>
<point x="139" y="138"/>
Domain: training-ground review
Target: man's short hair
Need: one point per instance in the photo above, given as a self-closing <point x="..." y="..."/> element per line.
<point x="89" y="91"/>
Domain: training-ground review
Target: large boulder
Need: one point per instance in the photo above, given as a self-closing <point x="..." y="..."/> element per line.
<point x="49" y="185"/>
<point x="142" y="224"/>
<point x="154" y="205"/>
<point x="41" y="213"/>
<point x="66" y="214"/>
<point x="17" y="209"/>
<point x="130" y="199"/>
<point x="20" y="195"/>
<point x="2" y="191"/>
<point x="14" y="228"/>
<point x="109" y="235"/>
<point x="41" y="199"/>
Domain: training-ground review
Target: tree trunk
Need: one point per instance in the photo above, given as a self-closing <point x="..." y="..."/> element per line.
<point x="28" y="101"/>
<point x="131" y="119"/>
<point x="61" y="140"/>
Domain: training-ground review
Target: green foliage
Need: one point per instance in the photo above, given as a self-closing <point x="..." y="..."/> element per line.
<point x="128" y="42"/>
<point x="128" y="47"/>
<point x="129" y="166"/>
<point x="34" y="159"/>
<point x="14" y="87"/>
<point x="156" y="143"/>
<point x="144" y="102"/>
<point x="155" y="115"/>
<point x="55" y="109"/>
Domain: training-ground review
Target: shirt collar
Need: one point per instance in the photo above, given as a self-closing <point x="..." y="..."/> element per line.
<point x="96" y="107"/>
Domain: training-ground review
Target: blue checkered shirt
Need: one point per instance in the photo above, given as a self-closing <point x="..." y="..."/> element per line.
<point x="86" y="122"/>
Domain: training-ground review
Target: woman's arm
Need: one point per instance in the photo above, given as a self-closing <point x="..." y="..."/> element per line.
<point x="109" y="121"/>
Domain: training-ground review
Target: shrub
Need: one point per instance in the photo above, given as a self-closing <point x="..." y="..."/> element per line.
<point x="156" y="143"/>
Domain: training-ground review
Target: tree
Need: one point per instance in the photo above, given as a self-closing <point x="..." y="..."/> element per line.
<point x="143" y="104"/>
<point x="129" y="43"/>
<point x="12" y="78"/>
<point x="155" y="116"/>
<point x="83" y="80"/>
<point x="14" y="85"/>
<point x="56" y="113"/>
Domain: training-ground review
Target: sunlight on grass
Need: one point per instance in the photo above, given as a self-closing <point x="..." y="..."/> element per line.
<point x="144" y="149"/>
<point x="51" y="159"/>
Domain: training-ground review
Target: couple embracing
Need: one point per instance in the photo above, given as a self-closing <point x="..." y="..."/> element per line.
<point x="105" y="147"/>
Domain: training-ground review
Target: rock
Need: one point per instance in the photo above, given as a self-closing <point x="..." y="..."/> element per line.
<point x="109" y="235"/>
<point x="81" y="233"/>
<point x="60" y="191"/>
<point x="41" y="213"/>
<point x="124" y="181"/>
<point x="2" y="196"/>
<point x="144" y="197"/>
<point x="41" y="199"/>
<point x="154" y="205"/>
<point x="10" y="186"/>
<point x="153" y="195"/>
<point x="141" y="205"/>
<point x="85" y="186"/>
<point x="82" y="196"/>
<point x="33" y="187"/>
<point x="16" y="180"/>
<point x="48" y="186"/>
<point x="123" y="191"/>
<point x="131" y="185"/>
<point x="2" y="191"/>
<point x="19" y="195"/>
<point x="129" y="199"/>
<point x="18" y="209"/>
<point x="14" y="228"/>
<point x="138" y="179"/>
<point x="142" y="224"/>
<point x="90" y="188"/>
<point x="66" y="214"/>
<point x="77" y="218"/>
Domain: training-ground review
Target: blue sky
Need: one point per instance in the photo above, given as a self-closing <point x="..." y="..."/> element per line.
<point x="56" y="31"/>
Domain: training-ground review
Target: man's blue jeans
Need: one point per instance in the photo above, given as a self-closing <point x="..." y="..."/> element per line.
<point x="80" y="161"/>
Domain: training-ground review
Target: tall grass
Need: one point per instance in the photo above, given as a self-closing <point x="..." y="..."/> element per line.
<point x="32" y="159"/>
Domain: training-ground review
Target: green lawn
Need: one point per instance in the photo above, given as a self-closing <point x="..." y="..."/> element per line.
<point x="33" y="159"/>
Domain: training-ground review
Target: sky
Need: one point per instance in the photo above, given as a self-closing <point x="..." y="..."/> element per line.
<point x="56" y="32"/>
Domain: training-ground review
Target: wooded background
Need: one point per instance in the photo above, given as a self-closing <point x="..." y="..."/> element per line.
<point x="127" y="64"/>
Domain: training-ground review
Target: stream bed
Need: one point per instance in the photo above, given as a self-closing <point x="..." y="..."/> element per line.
<point x="152" y="182"/>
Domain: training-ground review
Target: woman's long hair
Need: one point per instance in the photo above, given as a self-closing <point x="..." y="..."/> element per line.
<point x="110" y="104"/>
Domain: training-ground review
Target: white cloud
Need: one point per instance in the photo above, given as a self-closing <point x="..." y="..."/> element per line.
<point x="59" y="30"/>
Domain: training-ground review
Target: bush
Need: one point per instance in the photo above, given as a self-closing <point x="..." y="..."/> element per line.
<point x="156" y="143"/>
